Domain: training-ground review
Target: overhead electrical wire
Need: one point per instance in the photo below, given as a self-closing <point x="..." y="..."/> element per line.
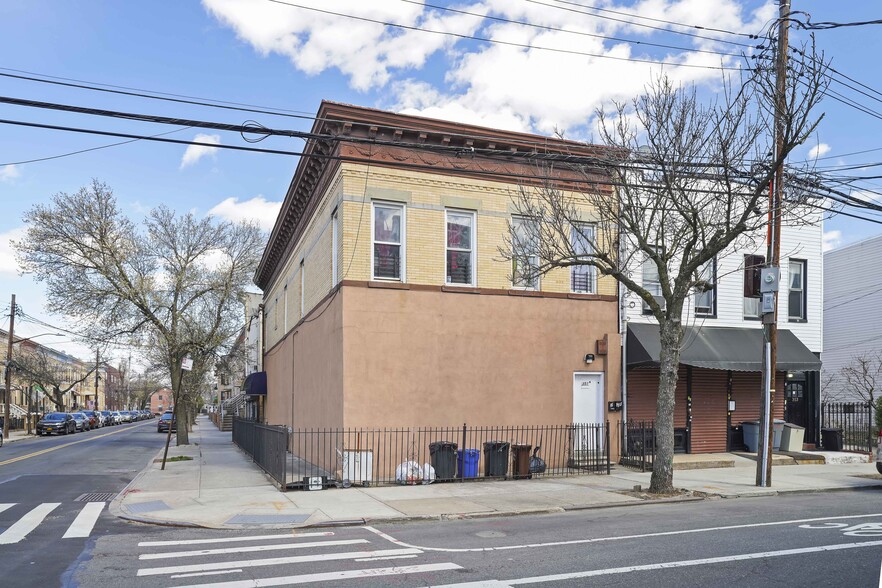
<point x="505" y="43"/>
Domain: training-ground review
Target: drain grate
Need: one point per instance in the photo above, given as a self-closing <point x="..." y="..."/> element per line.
<point x="95" y="497"/>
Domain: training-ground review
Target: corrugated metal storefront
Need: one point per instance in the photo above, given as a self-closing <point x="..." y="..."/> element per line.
<point x="643" y="395"/>
<point x="709" y="402"/>
<point x="746" y="387"/>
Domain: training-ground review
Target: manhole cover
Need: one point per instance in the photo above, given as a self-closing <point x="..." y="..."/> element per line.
<point x="95" y="497"/>
<point x="490" y="534"/>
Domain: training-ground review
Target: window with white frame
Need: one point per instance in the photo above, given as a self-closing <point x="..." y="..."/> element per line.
<point x="335" y="245"/>
<point x="524" y="263"/>
<point x="706" y="290"/>
<point x="796" y="296"/>
<point x="388" y="241"/>
<point x="460" y="247"/>
<point x="582" y="277"/>
<point x="651" y="281"/>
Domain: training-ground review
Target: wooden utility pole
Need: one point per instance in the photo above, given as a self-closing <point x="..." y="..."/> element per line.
<point x="770" y="353"/>
<point x="7" y="393"/>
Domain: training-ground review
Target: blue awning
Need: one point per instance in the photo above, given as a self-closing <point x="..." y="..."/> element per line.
<point x="255" y="384"/>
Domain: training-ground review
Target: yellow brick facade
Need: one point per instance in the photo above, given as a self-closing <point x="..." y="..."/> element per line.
<point x="425" y="197"/>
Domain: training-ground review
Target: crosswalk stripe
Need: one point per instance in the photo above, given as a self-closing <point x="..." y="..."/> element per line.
<point x="6" y="505"/>
<point x="206" y="567"/>
<point x="85" y="521"/>
<point x="233" y="539"/>
<point x="27" y="523"/>
<point x="253" y="548"/>
<point x="330" y="576"/>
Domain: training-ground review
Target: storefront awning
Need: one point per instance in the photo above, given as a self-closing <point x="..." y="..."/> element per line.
<point x="721" y="348"/>
<point x="255" y="384"/>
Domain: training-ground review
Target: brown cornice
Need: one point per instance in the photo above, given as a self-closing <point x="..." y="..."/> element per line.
<point x="451" y="146"/>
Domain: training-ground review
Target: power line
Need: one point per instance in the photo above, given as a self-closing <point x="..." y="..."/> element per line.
<point x="505" y="43"/>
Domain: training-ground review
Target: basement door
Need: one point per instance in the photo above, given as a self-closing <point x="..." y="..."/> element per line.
<point x="588" y="409"/>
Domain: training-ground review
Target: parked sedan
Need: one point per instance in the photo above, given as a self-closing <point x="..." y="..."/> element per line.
<point x="56" y="423"/>
<point x="117" y="417"/>
<point x="167" y="418"/>
<point x="107" y="418"/>
<point x="82" y="421"/>
<point x="94" y="419"/>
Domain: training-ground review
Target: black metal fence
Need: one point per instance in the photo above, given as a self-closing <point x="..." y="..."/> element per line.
<point x="637" y="444"/>
<point x="451" y="454"/>
<point x="855" y="422"/>
<point x="266" y="444"/>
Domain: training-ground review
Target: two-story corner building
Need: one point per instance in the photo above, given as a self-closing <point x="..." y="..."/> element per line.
<point x="719" y="384"/>
<point x="852" y="295"/>
<point x="385" y="299"/>
<point x="161" y="400"/>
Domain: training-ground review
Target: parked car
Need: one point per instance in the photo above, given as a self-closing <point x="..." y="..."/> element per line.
<point x="167" y="418"/>
<point x="94" y="421"/>
<point x="56" y="423"/>
<point x="82" y="421"/>
<point x="107" y="417"/>
<point x="117" y="417"/>
<point x="879" y="453"/>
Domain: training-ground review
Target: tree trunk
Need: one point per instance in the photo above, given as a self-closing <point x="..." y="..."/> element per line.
<point x="182" y="435"/>
<point x="671" y="334"/>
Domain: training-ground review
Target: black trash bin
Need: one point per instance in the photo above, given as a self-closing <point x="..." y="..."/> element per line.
<point x="443" y="459"/>
<point x="520" y="461"/>
<point x="831" y="439"/>
<point x="496" y="459"/>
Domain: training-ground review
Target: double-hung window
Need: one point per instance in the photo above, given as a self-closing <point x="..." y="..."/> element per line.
<point x="796" y="296"/>
<point x="706" y="290"/>
<point x="752" y="266"/>
<point x="582" y="277"/>
<point x="525" y="262"/>
<point x="651" y="282"/>
<point x="388" y="242"/>
<point x="460" y="248"/>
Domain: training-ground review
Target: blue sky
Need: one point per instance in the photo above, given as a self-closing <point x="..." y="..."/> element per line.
<point x="263" y="53"/>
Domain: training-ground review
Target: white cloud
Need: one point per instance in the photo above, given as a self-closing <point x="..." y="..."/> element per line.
<point x="9" y="173"/>
<point x="818" y="151"/>
<point x="832" y="240"/>
<point x="8" y="264"/>
<point x="259" y="209"/>
<point x="196" y="152"/>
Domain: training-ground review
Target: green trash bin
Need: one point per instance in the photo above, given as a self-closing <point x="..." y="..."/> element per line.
<point x="496" y="459"/>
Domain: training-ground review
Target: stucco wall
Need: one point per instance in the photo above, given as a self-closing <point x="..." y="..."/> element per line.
<point x="431" y="358"/>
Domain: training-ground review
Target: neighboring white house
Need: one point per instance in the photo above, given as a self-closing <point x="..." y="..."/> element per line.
<point x="720" y="380"/>
<point x="852" y="320"/>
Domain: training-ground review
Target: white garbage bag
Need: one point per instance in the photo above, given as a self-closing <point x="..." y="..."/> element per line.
<point x="428" y="474"/>
<point x="409" y="472"/>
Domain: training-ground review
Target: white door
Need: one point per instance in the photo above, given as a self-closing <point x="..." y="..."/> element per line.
<point x="588" y="410"/>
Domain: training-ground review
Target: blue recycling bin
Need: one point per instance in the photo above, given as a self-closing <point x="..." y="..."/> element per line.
<point x="467" y="463"/>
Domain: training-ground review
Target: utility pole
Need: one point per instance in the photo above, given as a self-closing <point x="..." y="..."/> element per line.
<point x="97" y="363"/>
<point x="770" y="327"/>
<point x="7" y="393"/>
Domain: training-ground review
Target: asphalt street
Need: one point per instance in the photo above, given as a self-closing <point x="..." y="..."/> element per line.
<point x="51" y="535"/>
<point x="54" y="493"/>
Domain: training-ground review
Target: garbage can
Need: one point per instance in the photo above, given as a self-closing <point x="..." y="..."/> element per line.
<point x="520" y="461"/>
<point x="443" y="459"/>
<point x="792" y="437"/>
<point x="777" y="431"/>
<point x="496" y="459"/>
<point x="831" y="439"/>
<point x="467" y="463"/>
<point x="751" y="435"/>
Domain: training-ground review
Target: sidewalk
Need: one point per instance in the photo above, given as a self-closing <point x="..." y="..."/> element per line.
<point x="17" y="436"/>
<point x="221" y="488"/>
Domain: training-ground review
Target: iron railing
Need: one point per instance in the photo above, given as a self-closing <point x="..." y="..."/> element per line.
<point x="372" y="456"/>
<point x="266" y="444"/>
<point x="855" y="420"/>
<point x="637" y="444"/>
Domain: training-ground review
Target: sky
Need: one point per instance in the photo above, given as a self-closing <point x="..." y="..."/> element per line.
<point x="546" y="73"/>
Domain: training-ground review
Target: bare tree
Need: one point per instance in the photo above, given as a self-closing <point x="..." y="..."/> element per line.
<point x="56" y="378"/>
<point x="862" y="378"/>
<point x="681" y="182"/>
<point x="178" y="279"/>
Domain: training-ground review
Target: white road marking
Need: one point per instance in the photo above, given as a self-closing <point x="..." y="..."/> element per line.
<point x="218" y="573"/>
<point x="85" y="521"/>
<point x="384" y="558"/>
<point x="233" y="539"/>
<point x="330" y="576"/>
<point x="27" y="523"/>
<point x="478" y="584"/>
<point x="605" y="539"/>
<point x="207" y="567"/>
<point x="6" y="505"/>
<point x="880" y="576"/>
<point x="669" y="565"/>
<point x="251" y="549"/>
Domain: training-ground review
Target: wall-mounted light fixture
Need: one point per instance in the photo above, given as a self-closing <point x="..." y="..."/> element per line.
<point x="589" y="358"/>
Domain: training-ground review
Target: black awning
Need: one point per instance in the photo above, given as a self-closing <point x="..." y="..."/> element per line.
<point x="255" y="384"/>
<point x="721" y="348"/>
